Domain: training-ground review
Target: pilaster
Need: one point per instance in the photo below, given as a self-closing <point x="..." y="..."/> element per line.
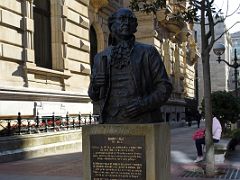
<point x="57" y="25"/>
<point x="27" y="25"/>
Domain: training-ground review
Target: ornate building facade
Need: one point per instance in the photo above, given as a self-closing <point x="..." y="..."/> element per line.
<point x="176" y="43"/>
<point x="47" y="46"/>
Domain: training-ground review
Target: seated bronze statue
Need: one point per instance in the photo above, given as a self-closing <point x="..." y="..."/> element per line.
<point x="128" y="80"/>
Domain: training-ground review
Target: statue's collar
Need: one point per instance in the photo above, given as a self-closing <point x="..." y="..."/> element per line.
<point x="126" y="43"/>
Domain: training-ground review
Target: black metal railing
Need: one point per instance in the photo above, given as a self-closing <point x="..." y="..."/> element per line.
<point x="29" y="124"/>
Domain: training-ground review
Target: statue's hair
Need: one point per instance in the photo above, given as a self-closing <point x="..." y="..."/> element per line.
<point x="111" y="20"/>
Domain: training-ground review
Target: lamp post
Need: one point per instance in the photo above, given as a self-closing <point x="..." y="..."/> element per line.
<point x="219" y="50"/>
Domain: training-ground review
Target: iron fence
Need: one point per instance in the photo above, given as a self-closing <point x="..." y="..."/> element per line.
<point x="29" y="124"/>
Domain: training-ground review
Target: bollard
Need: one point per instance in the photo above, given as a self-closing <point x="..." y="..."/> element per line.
<point x="46" y="125"/>
<point x="85" y="120"/>
<point x="79" y="119"/>
<point x="37" y="119"/>
<point x="73" y="123"/>
<point x="90" y="118"/>
<point x="67" y="118"/>
<point x="19" y="119"/>
<point x="53" y="121"/>
<point x="29" y="127"/>
<point x="9" y="128"/>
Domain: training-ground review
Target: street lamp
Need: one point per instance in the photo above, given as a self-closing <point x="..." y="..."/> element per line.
<point x="219" y="50"/>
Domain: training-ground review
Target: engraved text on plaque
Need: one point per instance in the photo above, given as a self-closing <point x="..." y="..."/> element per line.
<point x="117" y="157"/>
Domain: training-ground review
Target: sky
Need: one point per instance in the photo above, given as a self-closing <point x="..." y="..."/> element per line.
<point x="233" y="4"/>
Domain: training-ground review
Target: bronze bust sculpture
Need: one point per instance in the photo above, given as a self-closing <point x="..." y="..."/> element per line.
<point x="128" y="80"/>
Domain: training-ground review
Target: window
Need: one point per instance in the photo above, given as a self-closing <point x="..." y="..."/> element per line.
<point x="42" y="33"/>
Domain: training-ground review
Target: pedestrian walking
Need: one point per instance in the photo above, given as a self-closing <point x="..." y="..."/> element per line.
<point x="198" y="118"/>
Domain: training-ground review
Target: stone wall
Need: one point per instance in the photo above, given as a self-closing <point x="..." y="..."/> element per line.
<point x="38" y="145"/>
<point x="25" y="83"/>
<point x="22" y="81"/>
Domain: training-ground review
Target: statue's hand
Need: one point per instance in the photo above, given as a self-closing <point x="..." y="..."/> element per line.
<point x="133" y="110"/>
<point x="99" y="80"/>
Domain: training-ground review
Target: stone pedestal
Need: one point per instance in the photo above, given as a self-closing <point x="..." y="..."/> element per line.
<point x="126" y="151"/>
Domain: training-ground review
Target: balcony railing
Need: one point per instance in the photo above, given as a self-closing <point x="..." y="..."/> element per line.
<point x="29" y="124"/>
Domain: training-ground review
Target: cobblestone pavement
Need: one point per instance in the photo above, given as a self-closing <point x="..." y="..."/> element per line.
<point x="69" y="166"/>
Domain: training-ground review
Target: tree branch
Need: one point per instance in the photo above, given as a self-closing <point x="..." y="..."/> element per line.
<point x="211" y="26"/>
<point x="204" y="39"/>
<point x="219" y="21"/>
<point x="208" y="35"/>
<point x="223" y="18"/>
<point x="226" y="31"/>
<point x="228" y="15"/>
<point x="227" y="9"/>
<point x="211" y="2"/>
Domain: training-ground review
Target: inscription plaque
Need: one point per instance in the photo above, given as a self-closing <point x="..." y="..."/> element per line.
<point x="117" y="157"/>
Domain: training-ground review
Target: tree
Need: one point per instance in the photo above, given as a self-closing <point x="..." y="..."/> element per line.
<point x="225" y="106"/>
<point x="203" y="12"/>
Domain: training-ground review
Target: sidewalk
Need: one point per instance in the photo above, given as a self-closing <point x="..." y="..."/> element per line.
<point x="69" y="166"/>
<point x="183" y="153"/>
<point x="60" y="167"/>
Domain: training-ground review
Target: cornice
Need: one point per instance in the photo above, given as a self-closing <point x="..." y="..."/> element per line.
<point x="32" y="94"/>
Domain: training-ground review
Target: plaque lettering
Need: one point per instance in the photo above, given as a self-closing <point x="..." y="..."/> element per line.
<point x="117" y="157"/>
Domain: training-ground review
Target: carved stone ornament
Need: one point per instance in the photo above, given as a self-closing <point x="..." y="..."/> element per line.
<point x="184" y="33"/>
<point x="97" y="4"/>
<point x="174" y="25"/>
<point x="163" y="13"/>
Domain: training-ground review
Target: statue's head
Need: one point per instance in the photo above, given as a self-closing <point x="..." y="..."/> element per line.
<point x="122" y="23"/>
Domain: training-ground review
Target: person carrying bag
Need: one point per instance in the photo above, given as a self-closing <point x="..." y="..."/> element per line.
<point x="199" y="137"/>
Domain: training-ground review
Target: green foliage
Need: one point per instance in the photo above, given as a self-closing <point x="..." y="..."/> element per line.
<point x="190" y="14"/>
<point x="236" y="134"/>
<point x="224" y="106"/>
<point x="147" y="5"/>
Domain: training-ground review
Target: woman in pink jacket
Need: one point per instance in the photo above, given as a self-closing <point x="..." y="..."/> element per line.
<point x="216" y="132"/>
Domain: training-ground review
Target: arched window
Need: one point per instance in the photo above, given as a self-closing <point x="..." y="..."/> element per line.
<point x="93" y="45"/>
<point x="42" y="33"/>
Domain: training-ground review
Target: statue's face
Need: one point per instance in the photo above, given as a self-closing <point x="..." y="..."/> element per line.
<point x="125" y="23"/>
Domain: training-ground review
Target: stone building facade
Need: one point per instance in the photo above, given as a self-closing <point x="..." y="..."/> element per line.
<point x="219" y="72"/>
<point x="176" y="43"/>
<point x="44" y="56"/>
<point x="47" y="46"/>
<point x="235" y="45"/>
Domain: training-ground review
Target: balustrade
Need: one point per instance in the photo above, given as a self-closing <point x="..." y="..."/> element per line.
<point x="28" y="124"/>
